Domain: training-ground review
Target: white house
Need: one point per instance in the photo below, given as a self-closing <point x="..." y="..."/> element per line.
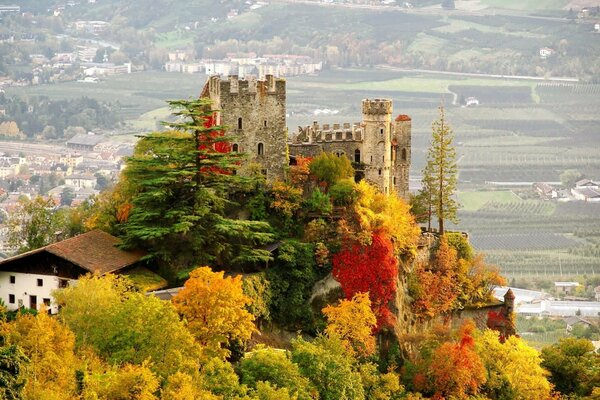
<point x="546" y="52"/>
<point x="586" y="184"/>
<point x="27" y="280"/>
<point x="586" y="194"/>
<point x="81" y="181"/>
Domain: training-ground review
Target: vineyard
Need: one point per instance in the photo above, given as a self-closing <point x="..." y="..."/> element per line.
<point x="515" y="263"/>
<point x="519" y="208"/>
<point x="522" y="241"/>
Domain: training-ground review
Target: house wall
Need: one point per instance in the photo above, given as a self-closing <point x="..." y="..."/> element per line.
<point x="25" y="286"/>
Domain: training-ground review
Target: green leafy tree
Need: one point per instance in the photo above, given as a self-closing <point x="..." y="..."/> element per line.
<point x="440" y="173"/>
<point x="127" y="327"/>
<point x="292" y="277"/>
<point x="573" y="365"/>
<point x="182" y="180"/>
<point x="329" y="367"/>
<point x="274" y="366"/>
<point x="328" y="168"/>
<point x="12" y="372"/>
<point x="32" y="224"/>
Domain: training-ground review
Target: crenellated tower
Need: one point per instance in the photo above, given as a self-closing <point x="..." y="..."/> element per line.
<point x="377" y="142"/>
<point x="254" y="113"/>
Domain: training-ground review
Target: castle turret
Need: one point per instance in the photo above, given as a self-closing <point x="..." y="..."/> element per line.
<point x="377" y="141"/>
<point x="401" y="149"/>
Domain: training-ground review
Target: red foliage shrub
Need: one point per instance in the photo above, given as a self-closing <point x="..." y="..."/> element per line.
<point x="371" y="269"/>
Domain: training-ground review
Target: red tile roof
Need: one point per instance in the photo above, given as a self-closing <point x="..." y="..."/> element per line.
<point x="94" y="251"/>
<point x="403" y="117"/>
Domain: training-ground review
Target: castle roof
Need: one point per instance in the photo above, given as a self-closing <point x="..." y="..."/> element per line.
<point x="403" y="117"/>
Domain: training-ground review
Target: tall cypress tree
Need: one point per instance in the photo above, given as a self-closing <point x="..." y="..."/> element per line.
<point x="440" y="173"/>
<point x="182" y="181"/>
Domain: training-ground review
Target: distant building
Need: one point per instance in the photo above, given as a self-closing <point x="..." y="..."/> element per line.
<point x="586" y="194"/>
<point x="565" y="287"/>
<point x="81" y="181"/>
<point x="545" y="190"/>
<point x="4" y="10"/>
<point x="471" y="101"/>
<point x="84" y="142"/>
<point x="575" y="320"/>
<point x="586" y="183"/>
<point x="546" y="52"/>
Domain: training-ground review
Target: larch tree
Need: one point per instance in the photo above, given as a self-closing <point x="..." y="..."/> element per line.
<point x="440" y="173"/>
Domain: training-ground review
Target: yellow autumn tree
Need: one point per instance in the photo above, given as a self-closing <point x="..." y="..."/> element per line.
<point x="353" y="322"/>
<point x="50" y="347"/>
<point x="386" y="212"/>
<point x="129" y="382"/>
<point x="512" y="368"/>
<point x="181" y="386"/>
<point x="214" y="308"/>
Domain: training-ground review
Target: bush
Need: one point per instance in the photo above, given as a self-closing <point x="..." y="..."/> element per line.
<point x="318" y="202"/>
<point x="343" y="193"/>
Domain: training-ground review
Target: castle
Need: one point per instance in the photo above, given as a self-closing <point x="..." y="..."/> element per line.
<point x="255" y="113"/>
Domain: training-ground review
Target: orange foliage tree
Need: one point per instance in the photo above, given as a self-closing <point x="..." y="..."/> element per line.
<point x="369" y="268"/>
<point x="456" y="369"/>
<point x="435" y="288"/>
<point x="214" y="307"/>
<point x="353" y="322"/>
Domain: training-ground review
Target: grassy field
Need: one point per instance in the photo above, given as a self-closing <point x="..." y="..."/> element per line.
<point x="473" y="201"/>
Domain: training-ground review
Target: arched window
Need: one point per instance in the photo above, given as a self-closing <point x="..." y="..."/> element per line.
<point x="261" y="149"/>
<point x="235" y="148"/>
<point x="357" y="155"/>
<point x="240" y="124"/>
<point x="403" y="154"/>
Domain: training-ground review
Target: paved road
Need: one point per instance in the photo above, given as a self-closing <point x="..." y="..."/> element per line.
<point x="518" y="77"/>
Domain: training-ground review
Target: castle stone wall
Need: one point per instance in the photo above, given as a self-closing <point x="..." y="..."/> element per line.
<point x="254" y="113"/>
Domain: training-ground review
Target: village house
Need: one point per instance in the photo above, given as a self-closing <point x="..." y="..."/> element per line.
<point x="565" y="287"/>
<point x="586" y="190"/>
<point x="81" y="181"/>
<point x="545" y="190"/>
<point x="28" y="280"/>
<point x="576" y="320"/>
<point x="84" y="142"/>
<point x="546" y="52"/>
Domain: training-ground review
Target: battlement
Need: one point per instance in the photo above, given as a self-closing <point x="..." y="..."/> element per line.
<point x="233" y="85"/>
<point x="330" y="132"/>
<point x="376" y="106"/>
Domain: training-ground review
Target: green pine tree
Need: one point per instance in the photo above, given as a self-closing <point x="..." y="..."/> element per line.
<point x="440" y="173"/>
<point x="183" y="180"/>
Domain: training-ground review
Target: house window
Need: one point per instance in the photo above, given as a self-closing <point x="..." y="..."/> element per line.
<point x="357" y="155"/>
<point x="235" y="148"/>
<point x="403" y="154"/>
<point x="265" y="123"/>
<point x="240" y="124"/>
<point x="379" y="171"/>
<point x="40" y="282"/>
<point x="13" y="279"/>
<point x="371" y="159"/>
<point x="394" y="180"/>
<point x="63" y="283"/>
<point x="261" y="149"/>
<point x="11" y="299"/>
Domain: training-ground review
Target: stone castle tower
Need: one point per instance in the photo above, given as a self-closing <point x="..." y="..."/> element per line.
<point x="254" y="113"/>
<point x="378" y="146"/>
